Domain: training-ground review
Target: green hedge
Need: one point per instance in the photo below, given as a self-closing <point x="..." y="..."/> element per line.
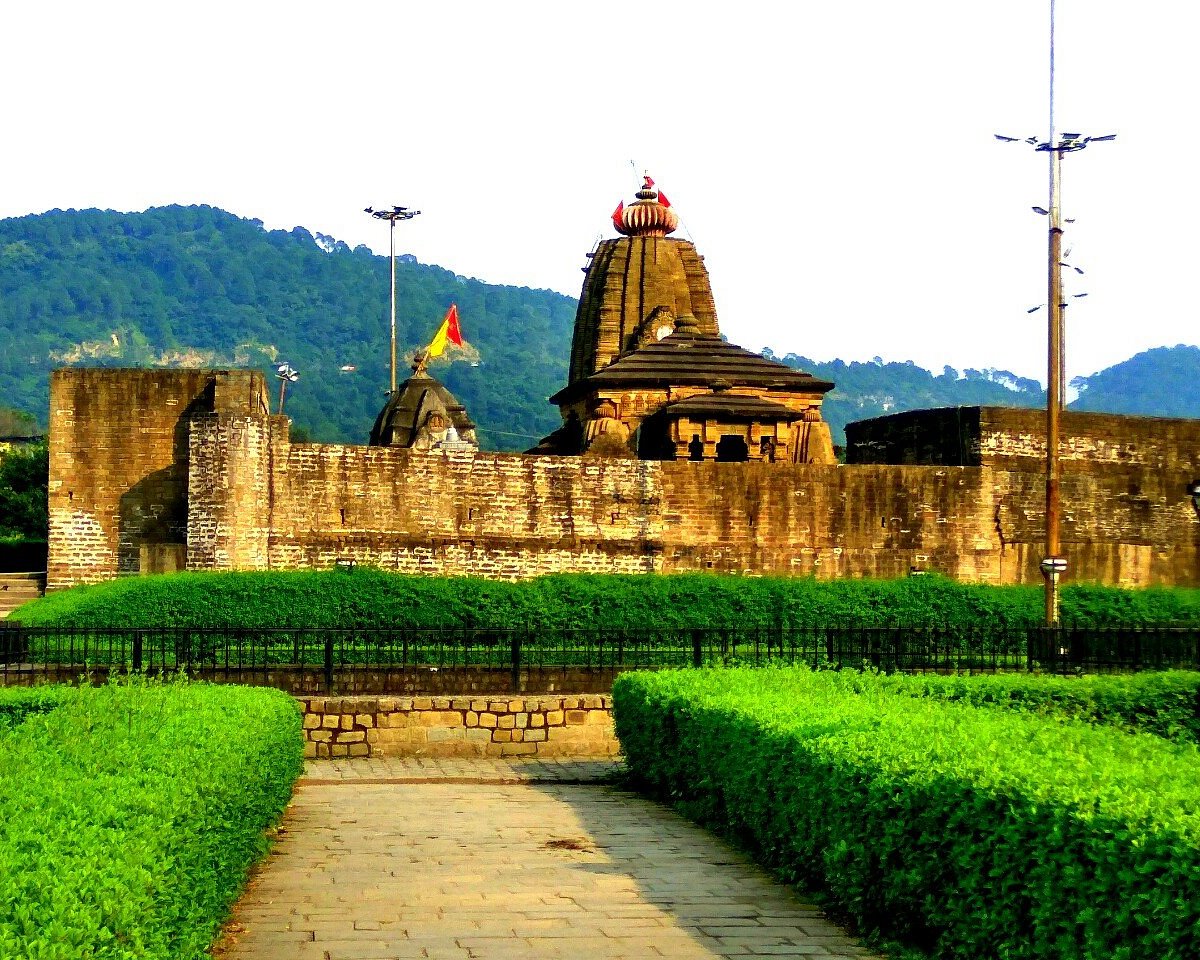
<point x="372" y="598"/>
<point x="969" y="833"/>
<point x="1166" y="703"/>
<point x="132" y="813"/>
<point x="17" y="703"/>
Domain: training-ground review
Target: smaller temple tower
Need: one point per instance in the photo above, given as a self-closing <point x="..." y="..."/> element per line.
<point x="651" y="377"/>
<point x="423" y="415"/>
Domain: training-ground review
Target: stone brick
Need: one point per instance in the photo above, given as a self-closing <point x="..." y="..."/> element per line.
<point x="422" y="703"/>
<point x="364" y="719"/>
<point x="312" y="721"/>
<point x="471" y="718"/>
<point x="359" y="750"/>
<point x="535" y="735"/>
<point x="522" y="720"/>
<point x="321" y="735"/>
<point x="347" y="722"/>
<point x="487" y="720"/>
<point x="517" y="749"/>
<point x="331" y="721"/>
<point x="310" y="751"/>
<point x="554" y="718"/>
<point x="507" y="721"/>
<point x="439" y="718"/>
<point x="537" y="720"/>
<point x="576" y="717"/>
<point x="502" y="736"/>
<point x="352" y="736"/>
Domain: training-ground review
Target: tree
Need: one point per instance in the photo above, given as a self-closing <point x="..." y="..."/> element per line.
<point x="24" y="514"/>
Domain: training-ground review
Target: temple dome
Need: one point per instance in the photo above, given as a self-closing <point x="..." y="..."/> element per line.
<point x="423" y="415"/>
<point x="646" y="216"/>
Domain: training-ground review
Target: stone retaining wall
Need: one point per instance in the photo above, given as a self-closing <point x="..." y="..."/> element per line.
<point x="485" y="726"/>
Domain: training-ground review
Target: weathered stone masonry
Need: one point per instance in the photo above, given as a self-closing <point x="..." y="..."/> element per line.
<point x="488" y="726"/>
<point x="154" y="469"/>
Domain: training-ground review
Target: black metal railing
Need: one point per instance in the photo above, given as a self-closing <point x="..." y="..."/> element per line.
<point x="323" y="660"/>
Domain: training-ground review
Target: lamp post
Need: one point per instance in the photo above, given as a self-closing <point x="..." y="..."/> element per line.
<point x="1053" y="564"/>
<point x="396" y="213"/>
<point x="285" y="373"/>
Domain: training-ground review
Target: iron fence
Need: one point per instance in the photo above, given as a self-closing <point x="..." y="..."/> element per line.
<point x="450" y="659"/>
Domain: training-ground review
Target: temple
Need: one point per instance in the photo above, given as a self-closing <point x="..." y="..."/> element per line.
<point x="651" y="376"/>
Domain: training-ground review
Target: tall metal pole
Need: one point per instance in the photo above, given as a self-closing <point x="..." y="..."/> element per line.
<point x="392" y="298"/>
<point x="391" y="216"/>
<point x="1053" y="564"/>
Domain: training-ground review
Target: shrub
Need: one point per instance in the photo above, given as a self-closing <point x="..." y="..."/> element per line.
<point x="970" y="833"/>
<point x="132" y="813"/>
<point x="1165" y="703"/>
<point x="17" y="703"/>
<point x="366" y="598"/>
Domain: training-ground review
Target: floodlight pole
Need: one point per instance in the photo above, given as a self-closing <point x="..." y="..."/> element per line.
<point x="396" y="213"/>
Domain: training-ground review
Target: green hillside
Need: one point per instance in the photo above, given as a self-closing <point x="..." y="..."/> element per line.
<point x="195" y="286"/>
<point x="1163" y="382"/>
<point x="191" y="286"/>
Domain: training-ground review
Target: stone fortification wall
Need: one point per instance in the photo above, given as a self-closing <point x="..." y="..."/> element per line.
<point x="118" y="491"/>
<point x="1009" y="438"/>
<point x="496" y="515"/>
<point x="143" y="462"/>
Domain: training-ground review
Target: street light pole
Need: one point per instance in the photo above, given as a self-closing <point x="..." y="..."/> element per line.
<point x="396" y="213"/>
<point x="1053" y="565"/>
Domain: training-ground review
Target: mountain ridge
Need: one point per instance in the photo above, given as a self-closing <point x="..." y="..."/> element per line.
<point x="196" y="285"/>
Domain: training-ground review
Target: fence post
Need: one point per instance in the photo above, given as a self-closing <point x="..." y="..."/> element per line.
<point x="137" y="652"/>
<point x="515" y="662"/>
<point x="328" y="664"/>
<point x="697" y="649"/>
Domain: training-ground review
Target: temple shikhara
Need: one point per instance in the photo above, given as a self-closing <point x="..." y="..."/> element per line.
<point x="650" y="375"/>
<point x="677" y="452"/>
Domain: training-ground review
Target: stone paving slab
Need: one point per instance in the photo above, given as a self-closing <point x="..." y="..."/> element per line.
<point x="496" y="770"/>
<point x="550" y="866"/>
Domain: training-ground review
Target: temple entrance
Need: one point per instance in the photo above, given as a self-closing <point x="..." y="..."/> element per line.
<point x="732" y="449"/>
<point x="654" y="440"/>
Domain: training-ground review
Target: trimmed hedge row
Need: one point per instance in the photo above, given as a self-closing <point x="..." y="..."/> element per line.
<point x="132" y="813"/>
<point x="970" y="833"/>
<point x="370" y="598"/>
<point x="1166" y="703"/>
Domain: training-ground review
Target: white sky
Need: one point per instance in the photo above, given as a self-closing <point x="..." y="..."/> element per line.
<point x="834" y="162"/>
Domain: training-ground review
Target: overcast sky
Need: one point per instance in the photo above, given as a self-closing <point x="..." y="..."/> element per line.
<point x="834" y="162"/>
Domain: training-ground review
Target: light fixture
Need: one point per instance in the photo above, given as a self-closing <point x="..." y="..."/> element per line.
<point x="1194" y="493"/>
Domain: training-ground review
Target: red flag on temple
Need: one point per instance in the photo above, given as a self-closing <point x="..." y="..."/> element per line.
<point x="617" y="222"/>
<point x="662" y="199"/>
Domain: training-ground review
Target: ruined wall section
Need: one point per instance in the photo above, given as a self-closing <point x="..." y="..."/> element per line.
<point x="1013" y="439"/>
<point x="829" y="521"/>
<point x="229" y="490"/>
<point x="118" y="465"/>
<point x="493" y="515"/>
<point x="1129" y="525"/>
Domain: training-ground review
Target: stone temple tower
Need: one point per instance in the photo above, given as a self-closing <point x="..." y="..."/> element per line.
<point x="650" y="375"/>
<point x="637" y="285"/>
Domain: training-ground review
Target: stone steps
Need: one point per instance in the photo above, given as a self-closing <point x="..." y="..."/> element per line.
<point x="19" y="588"/>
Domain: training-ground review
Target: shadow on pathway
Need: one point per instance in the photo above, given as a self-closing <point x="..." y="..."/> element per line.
<point x="495" y="859"/>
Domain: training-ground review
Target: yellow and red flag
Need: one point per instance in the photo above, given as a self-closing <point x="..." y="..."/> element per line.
<point x="447" y="332"/>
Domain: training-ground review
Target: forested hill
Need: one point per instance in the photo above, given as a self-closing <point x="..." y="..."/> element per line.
<point x="1163" y="382"/>
<point x="195" y="286"/>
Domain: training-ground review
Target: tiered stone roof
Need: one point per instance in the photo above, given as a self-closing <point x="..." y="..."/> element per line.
<point x="688" y="357"/>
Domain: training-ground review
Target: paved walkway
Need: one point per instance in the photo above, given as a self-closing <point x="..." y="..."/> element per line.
<point x="503" y="859"/>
